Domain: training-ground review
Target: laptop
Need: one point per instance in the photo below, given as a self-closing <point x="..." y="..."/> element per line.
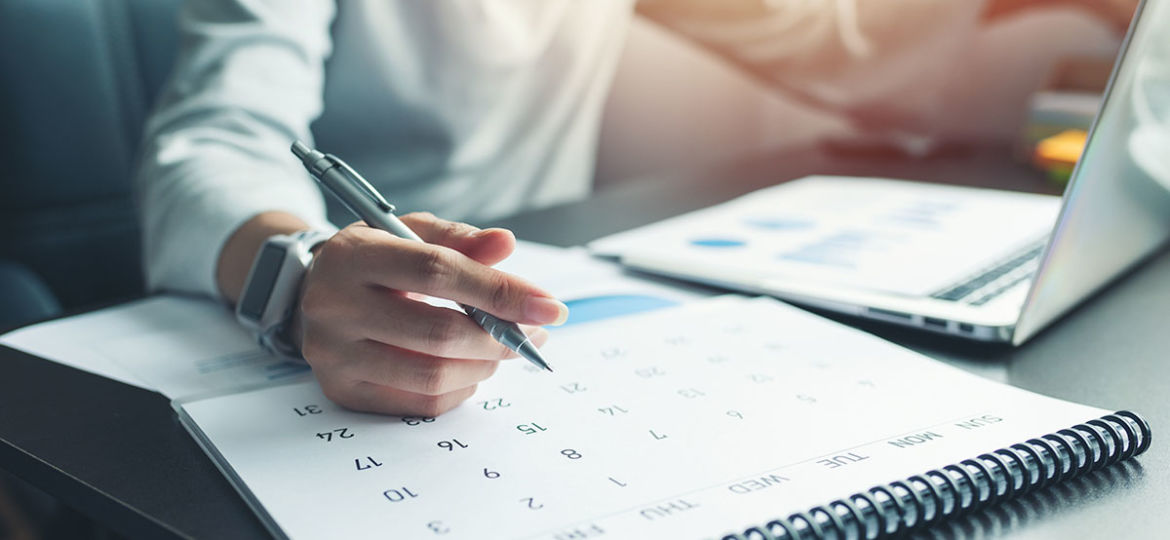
<point x="988" y="265"/>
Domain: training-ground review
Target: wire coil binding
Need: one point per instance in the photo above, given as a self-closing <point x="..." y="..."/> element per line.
<point x="908" y="505"/>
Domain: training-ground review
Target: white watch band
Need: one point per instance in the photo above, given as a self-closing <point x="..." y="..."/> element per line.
<point x="272" y="289"/>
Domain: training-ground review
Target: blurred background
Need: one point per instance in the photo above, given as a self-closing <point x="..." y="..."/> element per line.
<point x="78" y="78"/>
<point x="676" y="104"/>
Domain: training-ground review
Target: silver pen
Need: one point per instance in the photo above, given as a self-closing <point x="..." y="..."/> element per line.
<point x="362" y="199"/>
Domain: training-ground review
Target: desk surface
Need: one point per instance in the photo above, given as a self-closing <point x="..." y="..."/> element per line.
<point x="117" y="453"/>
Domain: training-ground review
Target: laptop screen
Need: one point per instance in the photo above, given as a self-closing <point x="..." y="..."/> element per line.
<point x="1117" y="206"/>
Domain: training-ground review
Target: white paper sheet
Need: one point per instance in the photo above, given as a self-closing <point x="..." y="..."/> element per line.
<point x="863" y="233"/>
<point x="679" y="423"/>
<point x="178" y="346"/>
<point x="207" y="355"/>
<point x="593" y="288"/>
<point x="183" y="346"/>
<point x="83" y="341"/>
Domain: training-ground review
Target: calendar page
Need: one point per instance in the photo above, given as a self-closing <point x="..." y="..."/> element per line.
<point x="685" y="422"/>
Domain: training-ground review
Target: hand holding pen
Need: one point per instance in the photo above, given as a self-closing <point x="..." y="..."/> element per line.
<point x="375" y="347"/>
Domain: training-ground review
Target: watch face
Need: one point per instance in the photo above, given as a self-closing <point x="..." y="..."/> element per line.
<point x="263" y="279"/>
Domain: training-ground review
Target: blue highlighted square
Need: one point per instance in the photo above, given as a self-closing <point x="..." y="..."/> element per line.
<point x="595" y="308"/>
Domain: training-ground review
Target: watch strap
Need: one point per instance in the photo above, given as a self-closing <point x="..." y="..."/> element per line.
<point x="281" y="291"/>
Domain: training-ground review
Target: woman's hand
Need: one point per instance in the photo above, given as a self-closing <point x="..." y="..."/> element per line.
<point x="376" y="346"/>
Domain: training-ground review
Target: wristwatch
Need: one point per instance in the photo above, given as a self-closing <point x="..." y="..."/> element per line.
<point x="271" y="291"/>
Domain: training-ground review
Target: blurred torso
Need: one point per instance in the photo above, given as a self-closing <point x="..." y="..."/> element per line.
<point x="470" y="109"/>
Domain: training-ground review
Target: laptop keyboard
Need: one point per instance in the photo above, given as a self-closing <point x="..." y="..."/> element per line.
<point x="992" y="282"/>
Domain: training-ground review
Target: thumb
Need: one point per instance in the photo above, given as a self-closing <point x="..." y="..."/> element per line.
<point x="485" y="246"/>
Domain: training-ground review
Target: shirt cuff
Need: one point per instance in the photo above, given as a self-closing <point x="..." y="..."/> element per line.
<point x="183" y="254"/>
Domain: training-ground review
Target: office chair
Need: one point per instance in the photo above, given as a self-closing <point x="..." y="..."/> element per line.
<point x="77" y="80"/>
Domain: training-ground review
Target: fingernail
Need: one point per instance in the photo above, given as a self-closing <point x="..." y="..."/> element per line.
<point x="544" y="310"/>
<point x="483" y="233"/>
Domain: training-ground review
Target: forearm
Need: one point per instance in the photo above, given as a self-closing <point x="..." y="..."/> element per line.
<point x="846" y="55"/>
<point x="216" y="151"/>
<point x="1003" y="8"/>
<point x="235" y="259"/>
<point x="1115" y="12"/>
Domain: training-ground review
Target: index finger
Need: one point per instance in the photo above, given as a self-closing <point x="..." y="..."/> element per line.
<point x="442" y="272"/>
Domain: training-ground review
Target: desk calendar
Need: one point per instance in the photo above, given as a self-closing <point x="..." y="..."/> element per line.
<point x="691" y="422"/>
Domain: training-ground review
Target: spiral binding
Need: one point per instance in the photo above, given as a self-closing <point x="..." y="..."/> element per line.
<point x="921" y="500"/>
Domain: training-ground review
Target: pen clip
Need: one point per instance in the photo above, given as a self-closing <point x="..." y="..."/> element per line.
<point x="363" y="185"/>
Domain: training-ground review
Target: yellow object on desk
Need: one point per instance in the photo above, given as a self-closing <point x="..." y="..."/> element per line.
<point x="1058" y="155"/>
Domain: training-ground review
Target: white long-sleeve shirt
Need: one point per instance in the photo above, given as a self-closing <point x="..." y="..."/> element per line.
<point x="471" y="109"/>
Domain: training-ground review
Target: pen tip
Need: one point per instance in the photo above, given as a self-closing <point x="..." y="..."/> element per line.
<point x="532" y="354"/>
